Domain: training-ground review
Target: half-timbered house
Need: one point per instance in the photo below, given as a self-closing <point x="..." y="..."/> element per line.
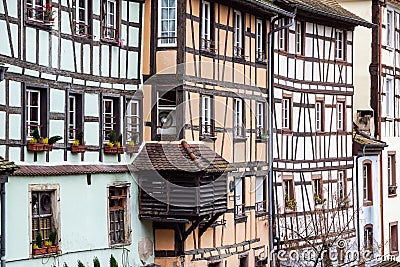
<point x="380" y="84"/>
<point x="74" y="67"/>
<point x="313" y="103"/>
<point x="206" y="80"/>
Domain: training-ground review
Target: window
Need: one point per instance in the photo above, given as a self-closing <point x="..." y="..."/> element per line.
<point x="260" y="120"/>
<point x="38" y="10"/>
<point x="82" y="16"/>
<point x="238" y="118"/>
<point x="110" y="117"/>
<point x="110" y="19"/>
<point x="243" y="261"/>
<point x="288" y="191"/>
<point x="260" y="194"/>
<point x="239" y="196"/>
<point x="392" y="173"/>
<point x="368" y="237"/>
<point x="318" y="192"/>
<point x="43" y="213"/>
<point x="206" y="26"/>
<point x="166" y="113"/>
<point x="74" y="116"/>
<point x="260" y="55"/>
<point x="238" y="34"/>
<point x="389" y="28"/>
<point x="206" y="115"/>
<point x="393" y="239"/>
<point x="389" y="98"/>
<point x="286" y="113"/>
<point x="119" y="232"/>
<point x="342" y="186"/>
<point x="367" y="182"/>
<point x="133" y="121"/>
<point x="167" y="26"/>
<point x="299" y="37"/>
<point x="36" y="111"/>
<point x="340" y="116"/>
<point x="282" y="35"/>
<point x="339" y="45"/>
<point x="214" y="264"/>
<point x="319" y="116"/>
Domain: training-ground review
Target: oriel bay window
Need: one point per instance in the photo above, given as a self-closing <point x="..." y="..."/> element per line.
<point x="167" y="22"/>
<point x="36" y="110"/>
<point x="111" y="116"/>
<point x="118" y="199"/>
<point x="82" y="16"/>
<point x="110" y="19"/>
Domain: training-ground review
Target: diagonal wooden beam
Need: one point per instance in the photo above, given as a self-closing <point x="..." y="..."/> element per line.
<point x="209" y="223"/>
<point x="192" y="227"/>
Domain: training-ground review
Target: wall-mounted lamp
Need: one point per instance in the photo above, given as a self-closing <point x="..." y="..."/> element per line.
<point x="3" y="70"/>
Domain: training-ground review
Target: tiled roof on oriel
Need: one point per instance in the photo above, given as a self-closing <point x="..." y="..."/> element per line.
<point x="7" y="167"/>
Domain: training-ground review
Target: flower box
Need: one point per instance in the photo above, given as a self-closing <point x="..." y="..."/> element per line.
<point x="110" y="149"/>
<point x="48" y="147"/>
<point x="78" y="149"/>
<point x="36" y="147"/>
<point x="121" y="150"/>
<point x="39" y="251"/>
<point x="52" y="249"/>
<point x="132" y="149"/>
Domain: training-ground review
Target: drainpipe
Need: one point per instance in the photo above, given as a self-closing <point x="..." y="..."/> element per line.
<point x="270" y="78"/>
<point x="358" y="200"/>
<point x="3" y="223"/>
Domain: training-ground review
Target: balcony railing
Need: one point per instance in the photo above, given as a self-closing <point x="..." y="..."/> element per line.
<point x="110" y="33"/>
<point x="392" y="189"/>
<point x="207" y="129"/>
<point x="261" y="207"/>
<point x="208" y="45"/>
<point x="238" y="131"/>
<point x="260" y="56"/>
<point x="240" y="210"/>
<point x="41" y="14"/>
<point x="238" y="52"/>
<point x="81" y="29"/>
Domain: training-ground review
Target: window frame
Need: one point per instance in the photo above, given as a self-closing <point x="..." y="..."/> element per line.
<point x="160" y="22"/>
<point x="33" y="7"/>
<point x="77" y="125"/>
<point x="389" y="98"/>
<point x="319" y="116"/>
<point x="127" y="214"/>
<point x="394" y="238"/>
<point x="368" y="236"/>
<point x="342" y="178"/>
<point x="341" y="115"/>
<point x="54" y="190"/>
<point x="83" y="24"/>
<point x="207" y="116"/>
<point x="260" y="204"/>
<point x="260" y="119"/>
<point x="129" y="126"/>
<point x="206" y="37"/>
<point x="318" y="187"/>
<point x="367" y="182"/>
<point x="340" y="45"/>
<point x="108" y="37"/>
<point x="390" y="29"/>
<point x="260" y="43"/>
<point x="238" y="45"/>
<point x="43" y="110"/>
<point x="238" y="118"/>
<point x="391" y="166"/>
<point x="240" y="196"/>
<point x="299" y="38"/>
<point x="287" y="113"/>
<point x="288" y="188"/>
<point x="115" y="116"/>
<point x="282" y="35"/>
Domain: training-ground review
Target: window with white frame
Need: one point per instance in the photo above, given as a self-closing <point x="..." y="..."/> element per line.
<point x="39" y="10"/>
<point x="319" y="116"/>
<point x="368" y="237"/>
<point x="206" y="111"/>
<point x="239" y="196"/>
<point x="367" y="182"/>
<point x="288" y="191"/>
<point x="389" y="96"/>
<point x="33" y="106"/>
<point x="81" y="16"/>
<point x="72" y="128"/>
<point x="110" y="19"/>
<point x="342" y="195"/>
<point x="340" y="116"/>
<point x="260" y="194"/>
<point x="392" y="185"/>
<point x="282" y="35"/>
<point x="119" y="232"/>
<point x="260" y="119"/>
<point x="286" y="113"/>
<point x="206" y="26"/>
<point x="259" y="40"/>
<point x="389" y="28"/>
<point x="167" y="23"/>
<point x="238" y="34"/>
<point x="318" y="190"/>
<point x="299" y="37"/>
<point x="238" y="118"/>
<point x="133" y="121"/>
<point x="339" y="44"/>
<point x="110" y="117"/>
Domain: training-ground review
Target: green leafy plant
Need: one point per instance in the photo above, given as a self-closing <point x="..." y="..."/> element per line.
<point x="113" y="261"/>
<point x="290" y="203"/>
<point x="318" y="199"/>
<point x="54" y="139"/>
<point x="79" y="137"/>
<point x="96" y="262"/>
<point x="112" y="137"/>
<point x="35" y="134"/>
<point x="80" y="264"/>
<point x="39" y="240"/>
<point x="53" y="237"/>
<point x="120" y="138"/>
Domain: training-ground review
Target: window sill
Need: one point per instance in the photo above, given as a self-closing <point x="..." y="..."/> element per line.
<point x="261" y="61"/>
<point x="240" y="218"/>
<point x="239" y="139"/>
<point x="39" y="24"/>
<point x="109" y="41"/>
<point x="208" y="138"/>
<point x="207" y="53"/>
<point x="261" y="140"/>
<point x="239" y="59"/>
<point x="128" y="243"/>
<point x="287" y="131"/>
<point x="394" y="253"/>
<point x="261" y="213"/>
<point x="392" y="195"/>
<point x="368" y="203"/>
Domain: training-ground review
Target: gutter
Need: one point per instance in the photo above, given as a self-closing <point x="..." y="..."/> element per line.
<point x="270" y="78"/>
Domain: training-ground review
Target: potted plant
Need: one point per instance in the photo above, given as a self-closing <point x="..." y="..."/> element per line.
<point x="113" y="261"/>
<point x="96" y="262"/>
<point x="392" y="189"/>
<point x="119" y="143"/>
<point x="52" y="246"/>
<point x="80" y="264"/>
<point x="78" y="145"/>
<point x="114" y="146"/>
<point x="290" y="203"/>
<point x="38" y="248"/>
<point x="344" y="202"/>
<point x="133" y="146"/>
<point x="38" y="143"/>
<point x="48" y="14"/>
<point x="319" y="200"/>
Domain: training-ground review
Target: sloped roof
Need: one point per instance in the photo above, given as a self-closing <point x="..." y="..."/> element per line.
<point x="365" y="144"/>
<point x="179" y="156"/>
<point x="329" y="8"/>
<point x="37" y="170"/>
<point x="268" y="5"/>
<point x="7" y="167"/>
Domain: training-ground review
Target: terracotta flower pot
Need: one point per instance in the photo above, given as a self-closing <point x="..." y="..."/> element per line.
<point x="37" y="147"/>
<point x="39" y="251"/>
<point x="132" y="149"/>
<point x="110" y="149"/>
<point x="78" y="149"/>
<point x="52" y="249"/>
